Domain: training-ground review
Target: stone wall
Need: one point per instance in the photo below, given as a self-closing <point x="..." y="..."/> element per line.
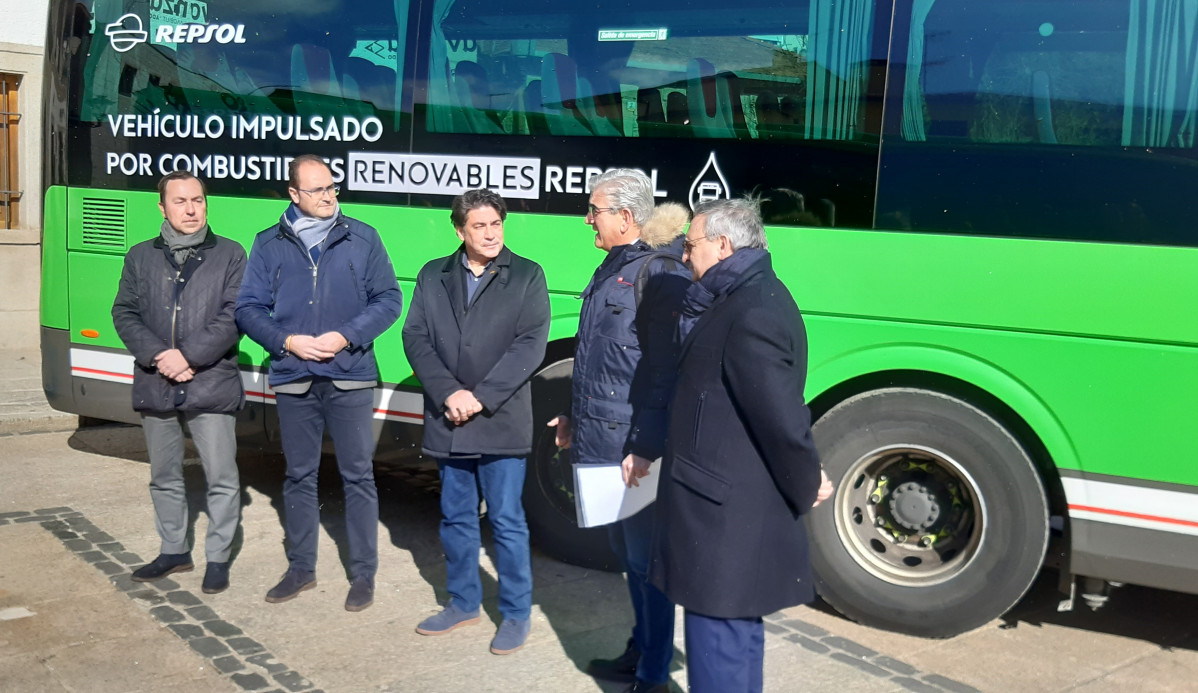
<point x="22" y="35"/>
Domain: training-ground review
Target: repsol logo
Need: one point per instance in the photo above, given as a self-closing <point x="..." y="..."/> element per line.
<point x="200" y="33"/>
<point x="128" y="31"/>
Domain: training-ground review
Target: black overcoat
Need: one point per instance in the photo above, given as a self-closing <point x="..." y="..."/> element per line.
<point x="740" y="465"/>
<point x="491" y="348"/>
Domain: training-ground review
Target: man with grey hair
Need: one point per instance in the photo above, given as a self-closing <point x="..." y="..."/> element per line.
<point x="740" y="466"/>
<point x="623" y="376"/>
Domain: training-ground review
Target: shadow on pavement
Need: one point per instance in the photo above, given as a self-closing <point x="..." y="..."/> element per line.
<point x="1141" y="613"/>
<point x="588" y="610"/>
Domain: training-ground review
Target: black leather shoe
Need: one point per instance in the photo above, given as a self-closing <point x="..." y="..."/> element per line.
<point x="622" y="668"/>
<point x="293" y="582"/>
<point x="216" y="578"/>
<point x="165" y="564"/>
<point x="361" y="594"/>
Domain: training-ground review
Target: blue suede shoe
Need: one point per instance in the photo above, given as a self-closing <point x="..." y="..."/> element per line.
<point x="450" y="617"/>
<point x="511" y="636"/>
<point x="216" y="578"/>
<point x="293" y="582"/>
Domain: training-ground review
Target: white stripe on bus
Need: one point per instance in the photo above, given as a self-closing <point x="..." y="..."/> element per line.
<point x="1132" y="506"/>
<point x="389" y="404"/>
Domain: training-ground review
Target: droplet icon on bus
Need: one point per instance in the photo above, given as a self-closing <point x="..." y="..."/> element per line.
<point x="710" y="184"/>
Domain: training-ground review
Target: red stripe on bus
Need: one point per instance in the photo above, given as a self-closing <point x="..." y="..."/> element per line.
<point x="384" y="412"/>
<point x="408" y="415"/>
<point x="81" y="369"/>
<point x="1138" y="516"/>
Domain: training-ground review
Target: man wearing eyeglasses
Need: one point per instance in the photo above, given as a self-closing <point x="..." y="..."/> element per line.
<point x="741" y="466"/>
<point x="623" y="379"/>
<point x="318" y="290"/>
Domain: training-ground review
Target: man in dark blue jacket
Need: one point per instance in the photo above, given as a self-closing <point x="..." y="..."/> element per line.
<point x="623" y="379"/>
<point x="318" y="289"/>
<point x="475" y="334"/>
<point x="174" y="312"/>
<point x="741" y="466"/>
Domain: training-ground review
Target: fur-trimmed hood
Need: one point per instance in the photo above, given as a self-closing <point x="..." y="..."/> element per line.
<point x="669" y="221"/>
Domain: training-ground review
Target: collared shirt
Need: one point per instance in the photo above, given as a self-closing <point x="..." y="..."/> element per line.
<point x="473" y="281"/>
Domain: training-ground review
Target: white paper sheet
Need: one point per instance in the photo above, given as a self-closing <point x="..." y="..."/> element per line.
<point x="601" y="497"/>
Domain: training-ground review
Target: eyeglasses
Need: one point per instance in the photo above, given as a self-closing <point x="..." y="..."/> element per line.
<point x="688" y="245"/>
<point x="332" y="190"/>
<point x="593" y="211"/>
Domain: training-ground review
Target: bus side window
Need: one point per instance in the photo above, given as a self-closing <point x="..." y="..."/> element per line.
<point x="473" y="111"/>
<point x="317" y="90"/>
<point x="533" y="109"/>
<point x="678" y="111"/>
<point x="710" y="98"/>
<point x="1011" y="98"/>
<point x="560" y="96"/>
<point x="376" y="84"/>
<point x="650" y="113"/>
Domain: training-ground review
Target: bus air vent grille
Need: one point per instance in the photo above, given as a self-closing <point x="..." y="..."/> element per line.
<point x="103" y="224"/>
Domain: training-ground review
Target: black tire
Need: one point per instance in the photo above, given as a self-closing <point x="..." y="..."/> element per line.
<point x="939" y="522"/>
<point x="549" y="483"/>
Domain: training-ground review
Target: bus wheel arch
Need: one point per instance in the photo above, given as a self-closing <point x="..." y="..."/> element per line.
<point x="940" y="520"/>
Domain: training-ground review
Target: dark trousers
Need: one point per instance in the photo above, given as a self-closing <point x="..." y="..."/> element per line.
<point x="632" y="541"/>
<point x="302" y="421"/>
<point x="724" y="655"/>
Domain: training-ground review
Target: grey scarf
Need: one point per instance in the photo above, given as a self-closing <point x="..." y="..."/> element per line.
<point x="182" y="245"/>
<point x="310" y="230"/>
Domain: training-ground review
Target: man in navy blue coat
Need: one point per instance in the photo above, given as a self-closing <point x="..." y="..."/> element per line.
<point x="318" y="290"/>
<point x="475" y="334"/>
<point x="740" y="466"/>
<point x="623" y="377"/>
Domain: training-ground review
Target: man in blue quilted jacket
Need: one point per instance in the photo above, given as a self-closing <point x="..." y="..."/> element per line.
<point x="623" y="380"/>
<point x="318" y="290"/>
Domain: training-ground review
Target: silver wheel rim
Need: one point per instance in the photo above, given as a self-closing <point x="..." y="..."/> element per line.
<point x="910" y="515"/>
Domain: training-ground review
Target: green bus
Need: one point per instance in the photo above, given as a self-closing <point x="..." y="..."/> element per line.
<point x="981" y="208"/>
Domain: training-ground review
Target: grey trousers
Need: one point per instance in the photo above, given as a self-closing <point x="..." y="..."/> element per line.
<point x="216" y="442"/>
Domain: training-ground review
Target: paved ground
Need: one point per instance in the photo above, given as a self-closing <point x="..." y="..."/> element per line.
<point x="23" y="406"/>
<point x="71" y="531"/>
<point x="75" y="518"/>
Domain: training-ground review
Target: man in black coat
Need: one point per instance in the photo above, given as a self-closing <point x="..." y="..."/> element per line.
<point x="740" y="466"/>
<point x="474" y="335"/>
<point x="174" y="312"/>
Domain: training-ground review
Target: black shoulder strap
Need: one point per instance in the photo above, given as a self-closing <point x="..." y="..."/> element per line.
<point x="642" y="274"/>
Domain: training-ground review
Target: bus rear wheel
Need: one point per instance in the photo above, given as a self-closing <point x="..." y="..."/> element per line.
<point x="549" y="482"/>
<point x="939" y="522"/>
